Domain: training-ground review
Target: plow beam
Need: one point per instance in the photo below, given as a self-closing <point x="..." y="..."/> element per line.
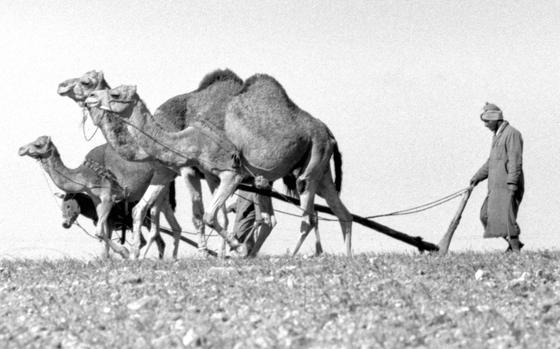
<point x="415" y="241"/>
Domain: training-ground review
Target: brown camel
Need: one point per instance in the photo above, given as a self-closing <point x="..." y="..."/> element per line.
<point x="173" y="115"/>
<point x="107" y="179"/>
<point x="263" y="133"/>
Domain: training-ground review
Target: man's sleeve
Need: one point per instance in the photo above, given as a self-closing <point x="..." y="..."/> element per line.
<point x="514" y="147"/>
<point x="482" y="173"/>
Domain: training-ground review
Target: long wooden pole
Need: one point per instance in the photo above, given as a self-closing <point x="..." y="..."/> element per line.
<point x="446" y="240"/>
<point x="416" y="241"/>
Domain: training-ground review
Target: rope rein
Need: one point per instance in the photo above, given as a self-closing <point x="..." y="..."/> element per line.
<point x="212" y="132"/>
<point x="422" y="207"/>
<point x="84" y="119"/>
<point x="403" y="212"/>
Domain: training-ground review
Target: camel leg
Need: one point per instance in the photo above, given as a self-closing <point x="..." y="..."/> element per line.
<point x="106" y="250"/>
<point x="123" y="235"/>
<point x="194" y="190"/>
<point x="104" y="232"/>
<point x="224" y="222"/>
<point x="139" y="212"/>
<point x="228" y="183"/>
<point x="308" y="216"/>
<point x="318" y="246"/>
<point x="223" y="218"/>
<point x="175" y="226"/>
<point x="328" y="191"/>
<point x="223" y="247"/>
<point x="154" y="231"/>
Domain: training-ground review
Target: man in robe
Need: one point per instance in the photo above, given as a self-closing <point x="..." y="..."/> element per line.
<point x="504" y="171"/>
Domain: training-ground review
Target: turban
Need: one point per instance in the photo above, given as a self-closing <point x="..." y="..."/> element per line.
<point x="491" y="112"/>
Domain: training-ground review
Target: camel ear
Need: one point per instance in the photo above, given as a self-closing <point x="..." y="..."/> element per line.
<point x="59" y="195"/>
<point x="133" y="89"/>
<point x="101" y="75"/>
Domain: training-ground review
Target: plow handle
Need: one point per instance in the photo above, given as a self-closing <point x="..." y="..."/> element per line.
<point x="446" y="240"/>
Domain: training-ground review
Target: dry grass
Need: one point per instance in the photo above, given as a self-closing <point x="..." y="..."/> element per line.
<point x="465" y="300"/>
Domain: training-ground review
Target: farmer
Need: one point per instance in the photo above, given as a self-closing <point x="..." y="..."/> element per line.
<point x="254" y="217"/>
<point x="504" y="170"/>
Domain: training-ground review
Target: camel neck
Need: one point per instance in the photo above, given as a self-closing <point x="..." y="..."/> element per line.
<point x="202" y="145"/>
<point x="174" y="149"/>
<point x="116" y="133"/>
<point x="68" y="180"/>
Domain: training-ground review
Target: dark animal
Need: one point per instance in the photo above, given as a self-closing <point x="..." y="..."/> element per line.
<point x="120" y="217"/>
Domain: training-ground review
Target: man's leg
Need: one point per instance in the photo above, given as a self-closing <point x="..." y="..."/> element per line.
<point x="262" y="233"/>
<point x="244" y="227"/>
<point x="515" y="244"/>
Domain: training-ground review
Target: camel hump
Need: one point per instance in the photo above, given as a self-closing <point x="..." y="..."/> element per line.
<point x="265" y="86"/>
<point x="218" y="75"/>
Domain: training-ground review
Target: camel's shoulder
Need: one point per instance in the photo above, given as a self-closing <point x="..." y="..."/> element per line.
<point x="98" y="153"/>
<point x="171" y="114"/>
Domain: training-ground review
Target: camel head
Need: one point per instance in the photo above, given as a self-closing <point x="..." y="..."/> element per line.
<point x="79" y="89"/>
<point x="70" y="209"/>
<point x="41" y="148"/>
<point x="118" y="100"/>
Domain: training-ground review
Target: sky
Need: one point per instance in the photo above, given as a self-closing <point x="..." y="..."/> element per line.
<point x="400" y="83"/>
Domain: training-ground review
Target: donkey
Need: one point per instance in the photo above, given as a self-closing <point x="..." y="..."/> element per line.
<point x="75" y="204"/>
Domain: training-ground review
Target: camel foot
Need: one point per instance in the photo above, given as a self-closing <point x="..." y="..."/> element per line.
<point x="203" y="253"/>
<point x="143" y="241"/>
<point x="124" y="253"/>
<point x="134" y="253"/>
<point x="241" y="251"/>
<point x="318" y="250"/>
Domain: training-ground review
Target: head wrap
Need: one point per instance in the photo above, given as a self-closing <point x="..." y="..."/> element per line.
<point x="491" y="112"/>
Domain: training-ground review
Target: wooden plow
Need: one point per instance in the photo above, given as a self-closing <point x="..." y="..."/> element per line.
<point x="415" y="241"/>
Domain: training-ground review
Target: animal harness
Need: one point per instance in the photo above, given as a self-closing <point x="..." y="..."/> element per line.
<point x="104" y="172"/>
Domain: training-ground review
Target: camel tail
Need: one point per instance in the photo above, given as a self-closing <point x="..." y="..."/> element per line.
<point x="172" y="199"/>
<point x="337" y="158"/>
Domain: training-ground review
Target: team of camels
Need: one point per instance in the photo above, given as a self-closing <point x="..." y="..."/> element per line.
<point x="227" y="131"/>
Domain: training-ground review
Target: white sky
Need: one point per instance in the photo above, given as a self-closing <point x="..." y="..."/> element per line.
<point x="400" y="84"/>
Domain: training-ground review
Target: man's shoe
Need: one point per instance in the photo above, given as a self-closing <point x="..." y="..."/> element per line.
<point x="515" y="245"/>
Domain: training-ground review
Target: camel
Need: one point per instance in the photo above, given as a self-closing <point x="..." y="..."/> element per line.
<point x="260" y="132"/>
<point x="173" y="115"/>
<point x="107" y="179"/>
